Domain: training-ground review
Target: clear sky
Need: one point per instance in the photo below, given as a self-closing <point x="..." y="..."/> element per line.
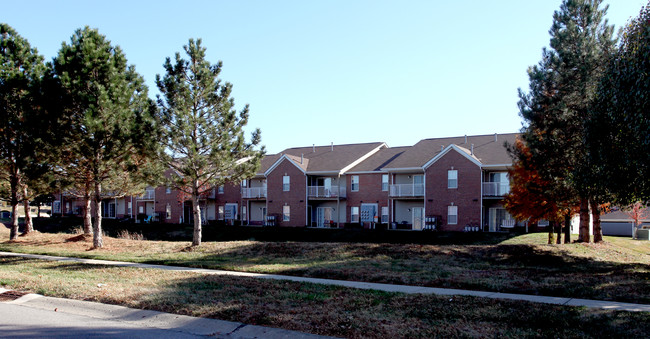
<point x="317" y="71"/>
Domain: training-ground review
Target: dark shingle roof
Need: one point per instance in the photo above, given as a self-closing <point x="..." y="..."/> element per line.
<point x="330" y="158"/>
<point x="379" y="160"/>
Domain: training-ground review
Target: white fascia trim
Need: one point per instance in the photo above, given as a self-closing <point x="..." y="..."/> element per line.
<point x="366" y="172"/>
<point x="403" y="170"/>
<point x="322" y="172"/>
<point x="445" y="151"/>
<point x="279" y="161"/>
<point x="364" y="157"/>
<point x="501" y="165"/>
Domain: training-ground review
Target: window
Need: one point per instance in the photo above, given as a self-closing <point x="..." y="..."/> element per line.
<point x="355" y="183"/>
<point x="129" y="207"/>
<point x="221" y="212"/>
<point x="56" y="207"/>
<point x="244" y="183"/>
<point x="286" y="183"/>
<point x="168" y="190"/>
<point x="141" y="209"/>
<point x="452" y="179"/>
<point x="384" y="182"/>
<point x="168" y="211"/>
<point x="384" y="215"/>
<point x="354" y="214"/>
<point x="243" y="214"/>
<point x="452" y="215"/>
<point x="220" y="189"/>
<point x="286" y="213"/>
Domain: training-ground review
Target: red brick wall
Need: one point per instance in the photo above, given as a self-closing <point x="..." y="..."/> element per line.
<point x="369" y="192"/>
<point x="467" y="196"/>
<point x="295" y="197"/>
<point x="162" y="199"/>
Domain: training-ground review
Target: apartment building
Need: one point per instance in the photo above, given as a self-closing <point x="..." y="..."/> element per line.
<point x="454" y="184"/>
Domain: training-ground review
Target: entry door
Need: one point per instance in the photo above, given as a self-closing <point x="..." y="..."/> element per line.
<point x="418" y="218"/>
<point x="323" y="216"/>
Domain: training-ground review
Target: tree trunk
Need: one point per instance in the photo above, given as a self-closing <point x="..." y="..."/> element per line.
<point x="567" y="229"/>
<point x="29" y="225"/>
<point x="88" y="225"/>
<point x="14" y="182"/>
<point x="595" y="215"/>
<point x="98" y="242"/>
<point x="197" y="219"/>
<point x="558" y="230"/>
<point x="551" y="234"/>
<point x="584" y="220"/>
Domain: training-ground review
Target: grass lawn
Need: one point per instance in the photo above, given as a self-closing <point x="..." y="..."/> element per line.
<point x="618" y="269"/>
<point x="318" y="309"/>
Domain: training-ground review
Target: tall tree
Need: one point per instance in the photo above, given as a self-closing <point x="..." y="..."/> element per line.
<point x="618" y="129"/>
<point x="203" y="133"/>
<point x="109" y="122"/>
<point x="562" y="90"/>
<point x="21" y="69"/>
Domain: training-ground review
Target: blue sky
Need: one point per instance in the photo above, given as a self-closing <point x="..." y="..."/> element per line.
<point x="316" y="72"/>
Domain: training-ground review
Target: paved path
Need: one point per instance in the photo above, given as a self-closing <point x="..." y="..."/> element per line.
<point x="36" y="316"/>
<point x="608" y="305"/>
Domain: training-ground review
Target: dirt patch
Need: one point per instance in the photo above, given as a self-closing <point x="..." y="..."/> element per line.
<point x="11" y="295"/>
<point x="80" y="237"/>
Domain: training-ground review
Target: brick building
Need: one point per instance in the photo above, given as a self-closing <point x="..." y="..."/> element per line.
<point x="452" y="184"/>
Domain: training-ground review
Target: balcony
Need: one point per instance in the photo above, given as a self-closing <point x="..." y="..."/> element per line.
<point x="253" y="192"/>
<point x="495" y="189"/>
<point x="326" y="192"/>
<point x="407" y="190"/>
<point x="149" y="194"/>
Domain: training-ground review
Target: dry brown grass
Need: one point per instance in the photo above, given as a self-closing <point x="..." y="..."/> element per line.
<point x="618" y="269"/>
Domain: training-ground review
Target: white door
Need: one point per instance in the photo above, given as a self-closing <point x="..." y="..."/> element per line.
<point x="418" y="218"/>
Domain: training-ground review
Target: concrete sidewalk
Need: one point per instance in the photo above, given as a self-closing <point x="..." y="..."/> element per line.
<point x="607" y="305"/>
<point x="39" y="316"/>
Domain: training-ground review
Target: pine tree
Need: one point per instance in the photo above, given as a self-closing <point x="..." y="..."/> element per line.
<point x="21" y="69"/>
<point x="203" y="134"/>
<point x="109" y="122"/>
<point x="562" y="91"/>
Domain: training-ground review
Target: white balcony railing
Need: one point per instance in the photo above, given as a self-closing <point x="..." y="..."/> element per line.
<point x="253" y="192"/>
<point x="407" y="190"/>
<point x="495" y="189"/>
<point x="326" y="191"/>
<point x="149" y="194"/>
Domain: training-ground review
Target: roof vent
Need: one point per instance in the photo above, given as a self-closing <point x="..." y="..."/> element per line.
<point x="313" y="148"/>
<point x="472" y="149"/>
<point x="495" y="137"/>
<point x="332" y="146"/>
<point x="442" y="148"/>
<point x="302" y="156"/>
<point x="465" y="138"/>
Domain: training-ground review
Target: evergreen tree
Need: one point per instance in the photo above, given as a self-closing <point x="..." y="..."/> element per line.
<point x="203" y="134"/>
<point x="109" y="122"/>
<point x="21" y="69"/>
<point x="618" y="131"/>
<point x="562" y="91"/>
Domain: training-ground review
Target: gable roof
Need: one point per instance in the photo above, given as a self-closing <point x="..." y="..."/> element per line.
<point x="379" y="160"/>
<point x="333" y="158"/>
<point x="488" y="150"/>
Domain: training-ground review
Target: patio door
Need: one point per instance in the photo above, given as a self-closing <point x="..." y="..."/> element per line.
<point x="323" y="216"/>
<point x="418" y="218"/>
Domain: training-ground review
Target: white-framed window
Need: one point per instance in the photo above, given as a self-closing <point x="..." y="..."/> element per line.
<point x="168" y="190"/>
<point x="452" y="215"/>
<point x="452" y="179"/>
<point x="286" y="183"/>
<point x="220" y="189"/>
<point x="286" y="213"/>
<point x="243" y="214"/>
<point x="221" y="212"/>
<point x="244" y="183"/>
<point x="129" y="207"/>
<point x="354" y="186"/>
<point x="384" y="214"/>
<point x="354" y="214"/>
<point x="384" y="182"/>
<point x="168" y="211"/>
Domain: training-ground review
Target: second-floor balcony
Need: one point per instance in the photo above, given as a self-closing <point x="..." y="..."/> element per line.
<point x="407" y="190"/>
<point x="149" y="194"/>
<point x="495" y="189"/>
<point x="253" y="192"/>
<point x="326" y="192"/>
